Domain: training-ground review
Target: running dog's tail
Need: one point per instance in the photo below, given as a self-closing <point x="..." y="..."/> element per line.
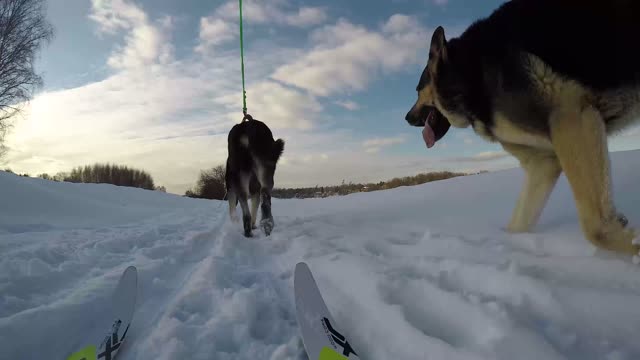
<point x="278" y="148"/>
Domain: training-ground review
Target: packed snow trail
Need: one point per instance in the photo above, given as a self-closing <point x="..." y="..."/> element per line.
<point x="422" y="272"/>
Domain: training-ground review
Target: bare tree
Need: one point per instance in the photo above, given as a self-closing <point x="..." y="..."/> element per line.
<point x="210" y="185"/>
<point x="23" y="29"/>
<point x="110" y="174"/>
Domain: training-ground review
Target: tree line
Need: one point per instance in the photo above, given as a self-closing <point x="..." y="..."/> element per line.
<point x="111" y="174"/>
<point x="349" y="188"/>
<point x="211" y="182"/>
<point x="119" y="175"/>
<point x="211" y="185"/>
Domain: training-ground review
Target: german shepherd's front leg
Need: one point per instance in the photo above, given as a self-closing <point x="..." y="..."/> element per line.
<point x="579" y="140"/>
<point x="542" y="170"/>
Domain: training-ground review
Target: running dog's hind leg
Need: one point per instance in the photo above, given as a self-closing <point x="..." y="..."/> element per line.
<point x="542" y="171"/>
<point x="255" y="202"/>
<point x="267" y="217"/>
<point x="243" y="198"/>
<point x="232" y="199"/>
<point x="265" y="177"/>
<point x="579" y="140"/>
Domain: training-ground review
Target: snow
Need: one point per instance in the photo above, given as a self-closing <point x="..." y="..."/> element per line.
<point x="422" y="272"/>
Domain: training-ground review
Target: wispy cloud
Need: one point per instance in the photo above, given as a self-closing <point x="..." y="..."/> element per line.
<point x="215" y="31"/>
<point x="482" y="156"/>
<point x="349" y="105"/>
<point x="282" y="106"/>
<point x="279" y="12"/>
<point x="376" y="144"/>
<point x="222" y="26"/>
<point x="346" y="56"/>
<point x="146" y="43"/>
<point x="115" y="15"/>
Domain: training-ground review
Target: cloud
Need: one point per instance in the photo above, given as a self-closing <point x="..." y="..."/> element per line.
<point x="345" y="56"/>
<point x="215" y="31"/>
<point x="148" y="118"/>
<point x="374" y="145"/>
<point x="146" y="43"/>
<point x="115" y="15"/>
<point x="349" y="105"/>
<point x="277" y="12"/>
<point x="223" y="25"/>
<point x="483" y="156"/>
<point x="277" y="105"/>
<point x="306" y="16"/>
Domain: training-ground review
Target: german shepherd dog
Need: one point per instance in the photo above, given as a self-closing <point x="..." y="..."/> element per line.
<point x="549" y="80"/>
<point x="251" y="165"/>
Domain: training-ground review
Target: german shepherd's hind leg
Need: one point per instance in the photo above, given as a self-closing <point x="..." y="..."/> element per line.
<point x="255" y="202"/>
<point x="542" y="170"/>
<point x="579" y="139"/>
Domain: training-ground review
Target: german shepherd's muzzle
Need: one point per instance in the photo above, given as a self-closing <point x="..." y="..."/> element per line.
<point x="434" y="123"/>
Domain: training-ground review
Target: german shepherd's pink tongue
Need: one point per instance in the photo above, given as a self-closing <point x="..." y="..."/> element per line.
<point x="427" y="133"/>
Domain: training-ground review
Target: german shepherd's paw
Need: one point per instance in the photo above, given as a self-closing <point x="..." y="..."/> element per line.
<point x="516" y="228"/>
<point x="620" y="239"/>
<point x="267" y="226"/>
<point x="636" y="243"/>
<point x="622" y="219"/>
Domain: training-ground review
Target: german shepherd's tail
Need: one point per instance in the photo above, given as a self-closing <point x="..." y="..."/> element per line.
<point x="278" y="148"/>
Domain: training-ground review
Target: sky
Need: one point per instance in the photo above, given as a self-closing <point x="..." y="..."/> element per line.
<point x="156" y="84"/>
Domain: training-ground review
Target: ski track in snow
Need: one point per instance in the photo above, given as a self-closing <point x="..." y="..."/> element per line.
<point x="421" y="272"/>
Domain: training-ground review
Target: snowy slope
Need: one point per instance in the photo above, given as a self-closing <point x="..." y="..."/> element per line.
<point x="420" y="272"/>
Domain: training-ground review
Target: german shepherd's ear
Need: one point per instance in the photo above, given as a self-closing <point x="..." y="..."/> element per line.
<point x="438" y="50"/>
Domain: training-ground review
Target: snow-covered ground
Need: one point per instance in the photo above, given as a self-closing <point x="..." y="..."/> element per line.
<point x="422" y="272"/>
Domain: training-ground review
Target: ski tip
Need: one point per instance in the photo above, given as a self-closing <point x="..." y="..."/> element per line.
<point x="301" y="267"/>
<point x="131" y="268"/>
<point x="128" y="282"/>
<point x="300" y="270"/>
<point x="132" y="273"/>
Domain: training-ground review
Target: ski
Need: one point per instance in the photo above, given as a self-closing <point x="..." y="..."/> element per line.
<point x="321" y="336"/>
<point x="111" y="335"/>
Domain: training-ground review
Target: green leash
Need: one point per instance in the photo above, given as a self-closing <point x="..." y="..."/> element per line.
<point x="244" y="93"/>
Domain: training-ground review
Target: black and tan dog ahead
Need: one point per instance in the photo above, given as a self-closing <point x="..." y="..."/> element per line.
<point x="251" y="166"/>
<point x="549" y="80"/>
